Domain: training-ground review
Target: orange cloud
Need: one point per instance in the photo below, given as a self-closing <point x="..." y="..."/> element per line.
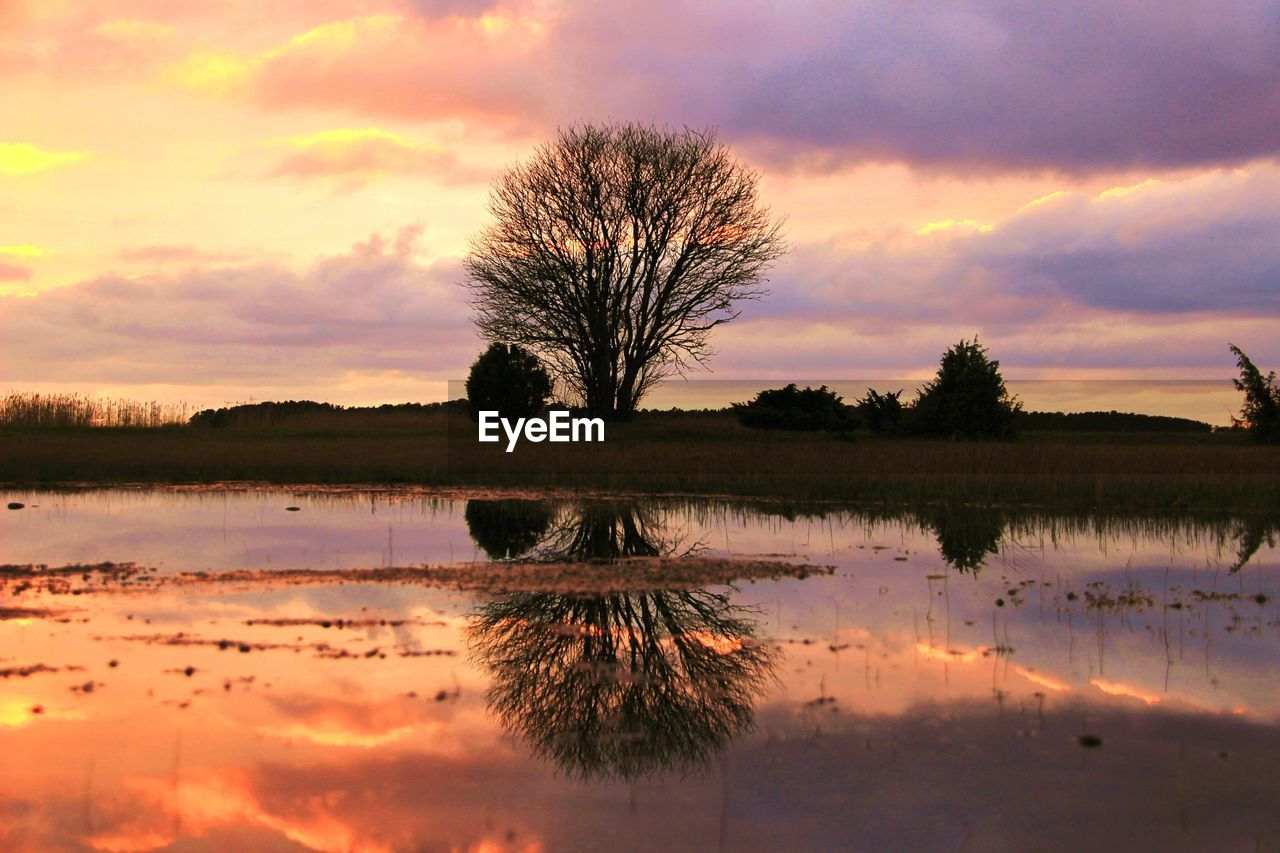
<point x="221" y="797"/>
<point x="386" y="65"/>
<point x="357" y="722"/>
<point x="1116" y="688"/>
<point x="367" y="153"/>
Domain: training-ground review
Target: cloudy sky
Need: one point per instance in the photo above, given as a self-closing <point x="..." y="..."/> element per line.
<point x="218" y="201"/>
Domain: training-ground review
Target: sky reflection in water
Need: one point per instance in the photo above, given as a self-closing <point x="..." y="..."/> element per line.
<point x="931" y="689"/>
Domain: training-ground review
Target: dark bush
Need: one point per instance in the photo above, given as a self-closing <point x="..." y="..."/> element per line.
<point x="1112" y="421"/>
<point x="967" y="399"/>
<point x="507" y="529"/>
<point x="509" y="379"/>
<point x="308" y="413"/>
<point x="1261" y="411"/>
<point x="882" y="413"/>
<point x="792" y="408"/>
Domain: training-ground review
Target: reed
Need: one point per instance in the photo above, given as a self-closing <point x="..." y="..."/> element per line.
<point x="78" y="410"/>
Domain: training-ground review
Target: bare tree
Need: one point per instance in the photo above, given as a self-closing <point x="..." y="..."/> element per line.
<point x="614" y="252"/>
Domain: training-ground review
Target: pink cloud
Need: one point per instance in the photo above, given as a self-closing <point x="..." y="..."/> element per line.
<point x="14" y="272"/>
<point x="983" y="85"/>
<point x="176" y="253"/>
<point x="368" y="153"/>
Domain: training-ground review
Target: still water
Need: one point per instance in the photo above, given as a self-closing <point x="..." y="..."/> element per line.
<point x="373" y="670"/>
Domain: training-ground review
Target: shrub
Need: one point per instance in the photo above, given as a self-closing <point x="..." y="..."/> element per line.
<point x="509" y="379"/>
<point x="967" y="399"/>
<point x="882" y="413"/>
<point x="792" y="408"/>
<point x="1261" y="411"/>
<point x="509" y="528"/>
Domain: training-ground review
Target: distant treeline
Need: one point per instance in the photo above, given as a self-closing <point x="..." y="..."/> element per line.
<point x="1112" y="421"/>
<point x="308" y="412"/>
<point x="304" y="412"/>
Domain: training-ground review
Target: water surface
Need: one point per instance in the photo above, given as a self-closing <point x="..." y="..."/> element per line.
<point x="285" y="679"/>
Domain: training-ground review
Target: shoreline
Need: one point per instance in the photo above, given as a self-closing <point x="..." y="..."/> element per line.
<point x="1048" y="472"/>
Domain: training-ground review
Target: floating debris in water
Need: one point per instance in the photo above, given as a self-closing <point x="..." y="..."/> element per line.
<point x="344" y="623"/>
<point x="35" y="668"/>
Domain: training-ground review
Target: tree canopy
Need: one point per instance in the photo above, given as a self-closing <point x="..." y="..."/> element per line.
<point x="1261" y="411"/>
<point x="615" y="250"/>
<point x="967" y="398"/>
<point x="793" y="408"/>
<point x="508" y="379"/>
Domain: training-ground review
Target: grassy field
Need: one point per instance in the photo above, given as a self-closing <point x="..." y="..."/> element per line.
<point x="689" y="454"/>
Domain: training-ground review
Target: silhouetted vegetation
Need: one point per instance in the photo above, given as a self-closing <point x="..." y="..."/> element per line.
<point x="1250" y="535"/>
<point x="507" y="529"/>
<point x="967" y="398"/>
<point x="310" y="414"/>
<point x="622" y="686"/>
<point x="1105" y="422"/>
<point x="1260" y="414"/>
<point x="615" y="251"/>
<point x="509" y="379"/>
<point x="882" y="413"/>
<point x="664" y="453"/>
<point x="792" y="408"/>
<point x="77" y="410"/>
<point x="967" y="536"/>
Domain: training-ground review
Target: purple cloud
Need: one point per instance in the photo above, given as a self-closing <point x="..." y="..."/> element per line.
<point x="1160" y="275"/>
<point x="1100" y="85"/>
<point x="372" y="309"/>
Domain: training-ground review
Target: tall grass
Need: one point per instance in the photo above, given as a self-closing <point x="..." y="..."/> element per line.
<point x="675" y="456"/>
<point x="77" y="410"/>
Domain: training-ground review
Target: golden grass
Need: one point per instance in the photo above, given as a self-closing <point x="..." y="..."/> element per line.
<point x="78" y="410"/>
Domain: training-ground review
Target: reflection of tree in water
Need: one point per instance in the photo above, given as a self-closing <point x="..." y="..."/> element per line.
<point x="622" y="686"/>
<point x="505" y="529"/>
<point x="967" y="536"/>
<point x="1250" y="535"/>
<point x="596" y="530"/>
<point x="606" y="531"/>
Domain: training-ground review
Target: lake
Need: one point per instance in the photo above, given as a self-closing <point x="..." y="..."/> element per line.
<point x="366" y="669"/>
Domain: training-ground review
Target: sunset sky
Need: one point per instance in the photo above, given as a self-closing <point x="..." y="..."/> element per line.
<point x="217" y="201"/>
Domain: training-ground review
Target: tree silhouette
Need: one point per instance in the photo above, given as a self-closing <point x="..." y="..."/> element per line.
<point x="580" y="531"/>
<point x="508" y="379"/>
<point x="1250" y="535"/>
<point x="882" y="413"/>
<point x="967" y="536"/>
<point x="614" y="252"/>
<point x="1261" y="411"/>
<point x="621" y="686"/>
<point x="792" y="408"/>
<point x="967" y="398"/>
<point x="507" y="529"/>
